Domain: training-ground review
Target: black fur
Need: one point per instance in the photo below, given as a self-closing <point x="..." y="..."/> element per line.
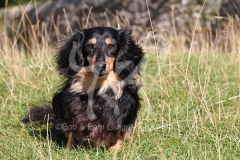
<point x="107" y="123"/>
<point x="39" y="115"/>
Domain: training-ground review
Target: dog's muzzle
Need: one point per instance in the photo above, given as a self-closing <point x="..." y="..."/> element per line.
<point x="99" y="69"/>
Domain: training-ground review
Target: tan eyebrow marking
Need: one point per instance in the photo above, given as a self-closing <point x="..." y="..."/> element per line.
<point x="93" y="40"/>
<point x="108" y="40"/>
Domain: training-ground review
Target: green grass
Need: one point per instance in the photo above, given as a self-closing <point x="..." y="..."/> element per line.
<point x="189" y="111"/>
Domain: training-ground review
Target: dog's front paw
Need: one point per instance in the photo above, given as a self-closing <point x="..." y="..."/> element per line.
<point x="117" y="146"/>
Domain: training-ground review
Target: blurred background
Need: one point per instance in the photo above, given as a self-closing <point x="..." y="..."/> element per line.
<point x="190" y="79"/>
<point x="151" y="20"/>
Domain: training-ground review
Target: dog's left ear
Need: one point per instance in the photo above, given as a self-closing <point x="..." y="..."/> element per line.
<point x="69" y="58"/>
<point x="130" y="55"/>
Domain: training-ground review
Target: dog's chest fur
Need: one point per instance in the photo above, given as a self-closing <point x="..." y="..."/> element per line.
<point x="86" y="82"/>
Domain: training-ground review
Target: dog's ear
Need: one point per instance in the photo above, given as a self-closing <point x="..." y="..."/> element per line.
<point x="130" y="55"/>
<point x="70" y="58"/>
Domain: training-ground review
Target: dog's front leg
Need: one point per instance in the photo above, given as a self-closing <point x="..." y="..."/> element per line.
<point x="69" y="141"/>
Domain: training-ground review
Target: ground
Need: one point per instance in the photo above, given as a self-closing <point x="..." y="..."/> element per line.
<point x="189" y="109"/>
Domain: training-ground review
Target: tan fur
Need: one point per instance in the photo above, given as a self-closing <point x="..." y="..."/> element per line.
<point x="120" y="141"/>
<point x="108" y="40"/>
<point x="117" y="146"/>
<point x="85" y="82"/>
<point x="112" y="81"/>
<point x="69" y="141"/>
<point x="91" y="60"/>
<point x="93" y="40"/>
<point x="109" y="63"/>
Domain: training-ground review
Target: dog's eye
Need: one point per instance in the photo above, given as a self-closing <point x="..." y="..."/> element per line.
<point x="89" y="46"/>
<point x="111" y="46"/>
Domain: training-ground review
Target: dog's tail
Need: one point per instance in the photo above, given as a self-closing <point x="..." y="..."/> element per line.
<point x="39" y="115"/>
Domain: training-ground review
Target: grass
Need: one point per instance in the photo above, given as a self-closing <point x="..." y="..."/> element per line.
<point x="193" y="115"/>
<point x="190" y="98"/>
<point x="184" y="115"/>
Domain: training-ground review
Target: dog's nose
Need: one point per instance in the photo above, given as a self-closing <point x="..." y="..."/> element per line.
<point x="103" y="66"/>
<point x="100" y="68"/>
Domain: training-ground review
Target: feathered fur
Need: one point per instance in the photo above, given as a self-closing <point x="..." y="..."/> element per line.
<point x="97" y="105"/>
<point x="39" y="115"/>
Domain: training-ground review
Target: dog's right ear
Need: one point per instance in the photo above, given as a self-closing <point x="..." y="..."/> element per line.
<point x="70" y="58"/>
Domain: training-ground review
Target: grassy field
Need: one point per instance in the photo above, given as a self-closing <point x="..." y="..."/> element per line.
<point x="190" y="100"/>
<point x="189" y="110"/>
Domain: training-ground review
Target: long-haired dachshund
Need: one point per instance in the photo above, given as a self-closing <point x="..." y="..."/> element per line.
<point x="98" y="103"/>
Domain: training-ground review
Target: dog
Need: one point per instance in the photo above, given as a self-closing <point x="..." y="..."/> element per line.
<point x="98" y="103"/>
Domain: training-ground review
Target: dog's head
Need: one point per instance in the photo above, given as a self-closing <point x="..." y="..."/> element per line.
<point x="99" y="47"/>
<point x="100" y="51"/>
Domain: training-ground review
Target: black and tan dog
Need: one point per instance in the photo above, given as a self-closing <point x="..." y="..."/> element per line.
<point x="98" y="102"/>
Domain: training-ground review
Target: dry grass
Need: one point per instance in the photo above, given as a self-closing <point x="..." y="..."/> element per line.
<point x="190" y="107"/>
